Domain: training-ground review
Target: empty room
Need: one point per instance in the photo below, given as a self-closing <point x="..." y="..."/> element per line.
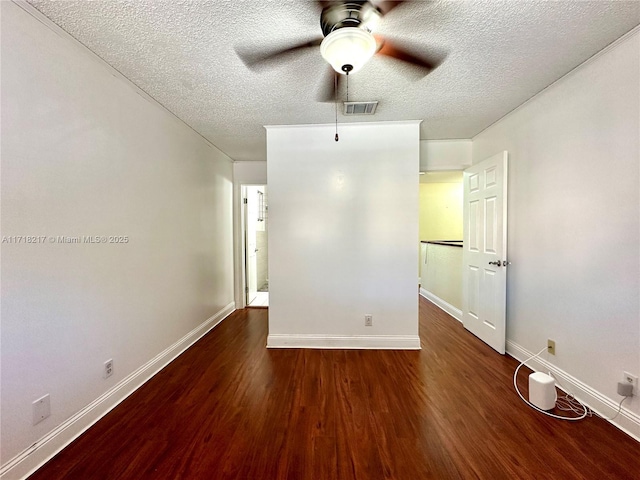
<point x="338" y="239"/>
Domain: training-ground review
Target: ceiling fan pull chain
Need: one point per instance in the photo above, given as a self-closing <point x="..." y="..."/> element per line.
<point x="347" y="86"/>
<point x="335" y="96"/>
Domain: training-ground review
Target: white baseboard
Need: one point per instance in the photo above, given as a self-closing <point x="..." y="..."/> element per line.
<point x="372" y="342"/>
<point x="438" y="302"/>
<point x="627" y="421"/>
<point x="29" y="460"/>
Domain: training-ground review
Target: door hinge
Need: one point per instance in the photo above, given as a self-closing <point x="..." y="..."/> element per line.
<point x="246" y="289"/>
<point x="245" y="201"/>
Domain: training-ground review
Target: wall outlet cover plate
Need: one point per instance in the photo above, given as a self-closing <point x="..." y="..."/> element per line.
<point x="41" y="409"/>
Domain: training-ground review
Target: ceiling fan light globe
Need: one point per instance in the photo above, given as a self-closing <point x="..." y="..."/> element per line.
<point x="348" y="46"/>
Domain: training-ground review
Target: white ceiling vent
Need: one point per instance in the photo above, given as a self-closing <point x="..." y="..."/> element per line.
<point x="360" y="108"/>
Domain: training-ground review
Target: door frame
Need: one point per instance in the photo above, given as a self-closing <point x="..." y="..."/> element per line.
<point x="242" y="244"/>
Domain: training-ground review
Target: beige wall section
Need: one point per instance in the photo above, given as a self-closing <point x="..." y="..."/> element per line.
<point x="442" y="163"/>
<point x="442" y="274"/>
<point x="85" y="153"/>
<point x="441" y="211"/>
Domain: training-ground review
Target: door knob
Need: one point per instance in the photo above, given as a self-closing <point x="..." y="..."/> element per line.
<point x="499" y="263"/>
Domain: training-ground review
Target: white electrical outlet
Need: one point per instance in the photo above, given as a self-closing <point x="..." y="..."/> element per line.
<point x="41" y="409"/>
<point x="632" y="379"/>
<point x="368" y="320"/>
<point x="108" y="368"/>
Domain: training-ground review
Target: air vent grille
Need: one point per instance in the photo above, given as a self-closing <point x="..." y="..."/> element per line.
<point x="360" y="108"/>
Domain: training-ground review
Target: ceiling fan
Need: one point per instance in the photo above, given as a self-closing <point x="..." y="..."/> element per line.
<point x="348" y="42"/>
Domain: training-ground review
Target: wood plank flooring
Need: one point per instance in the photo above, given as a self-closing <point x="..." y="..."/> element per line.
<point x="228" y="408"/>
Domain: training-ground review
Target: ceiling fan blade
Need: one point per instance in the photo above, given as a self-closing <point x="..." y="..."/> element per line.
<point x="258" y="60"/>
<point x="327" y="90"/>
<point x="425" y="62"/>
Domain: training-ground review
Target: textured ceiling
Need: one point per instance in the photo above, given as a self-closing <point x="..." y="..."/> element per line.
<point x="183" y="53"/>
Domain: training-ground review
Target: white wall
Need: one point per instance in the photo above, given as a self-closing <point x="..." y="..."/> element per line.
<point x="438" y="155"/>
<point x="86" y="153"/>
<point x="343" y="222"/>
<point x="574" y="210"/>
<point x="250" y="173"/>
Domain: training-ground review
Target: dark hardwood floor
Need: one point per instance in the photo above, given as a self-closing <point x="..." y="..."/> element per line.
<point x="228" y="408"/>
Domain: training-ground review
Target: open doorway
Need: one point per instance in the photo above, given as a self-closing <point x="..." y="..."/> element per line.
<point x="441" y="229"/>
<point x="256" y="249"/>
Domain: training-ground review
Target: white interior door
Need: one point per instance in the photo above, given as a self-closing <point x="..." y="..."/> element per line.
<point x="251" y="216"/>
<point x="485" y="250"/>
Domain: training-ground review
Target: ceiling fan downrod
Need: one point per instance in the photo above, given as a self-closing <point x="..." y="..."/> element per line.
<point x="335" y="96"/>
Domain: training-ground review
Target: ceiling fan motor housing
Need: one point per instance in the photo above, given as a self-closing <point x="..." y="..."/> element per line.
<point x="348" y="42"/>
<point x="359" y="14"/>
